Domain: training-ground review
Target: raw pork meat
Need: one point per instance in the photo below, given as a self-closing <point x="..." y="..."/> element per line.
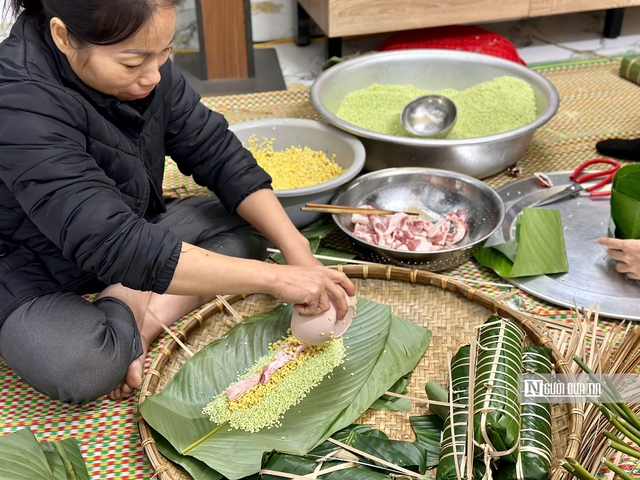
<point x="411" y="232"/>
<point x="281" y="358"/>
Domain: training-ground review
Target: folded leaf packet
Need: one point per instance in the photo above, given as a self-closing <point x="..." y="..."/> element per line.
<point x="630" y="69"/>
<point x="537" y="249"/>
<point x="625" y="203"/>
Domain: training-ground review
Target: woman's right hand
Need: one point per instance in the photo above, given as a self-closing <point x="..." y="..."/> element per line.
<point x="309" y="288"/>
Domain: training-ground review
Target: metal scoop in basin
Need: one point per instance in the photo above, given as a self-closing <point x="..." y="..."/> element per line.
<point x="429" y="115"/>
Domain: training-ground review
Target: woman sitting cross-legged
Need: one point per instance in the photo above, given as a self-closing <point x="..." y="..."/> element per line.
<point x="90" y="104"/>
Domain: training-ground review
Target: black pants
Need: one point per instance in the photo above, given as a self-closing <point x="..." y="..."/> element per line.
<point x="76" y="351"/>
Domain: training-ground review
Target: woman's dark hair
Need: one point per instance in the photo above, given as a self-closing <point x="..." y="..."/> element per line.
<point x="96" y="22"/>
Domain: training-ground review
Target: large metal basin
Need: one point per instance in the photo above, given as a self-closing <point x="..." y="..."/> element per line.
<point x="433" y="70"/>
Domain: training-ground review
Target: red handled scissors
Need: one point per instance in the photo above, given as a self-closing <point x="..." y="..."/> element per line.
<point x="575" y="188"/>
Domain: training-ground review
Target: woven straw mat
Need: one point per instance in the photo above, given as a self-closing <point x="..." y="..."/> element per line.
<point x="595" y="103"/>
<point x="450" y="316"/>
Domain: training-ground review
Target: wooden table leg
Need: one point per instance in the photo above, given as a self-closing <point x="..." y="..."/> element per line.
<point x="225" y="37"/>
<point x="303" y="27"/>
<point x="333" y="47"/>
<point x="613" y="22"/>
<point x="227" y="62"/>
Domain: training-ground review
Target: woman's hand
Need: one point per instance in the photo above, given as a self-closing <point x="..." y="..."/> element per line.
<point x="303" y="281"/>
<point x="309" y="288"/>
<point x="626" y="252"/>
<point x="263" y="210"/>
<point x="300" y="254"/>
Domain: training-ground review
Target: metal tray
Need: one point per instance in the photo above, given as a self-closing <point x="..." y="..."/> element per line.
<point x="592" y="278"/>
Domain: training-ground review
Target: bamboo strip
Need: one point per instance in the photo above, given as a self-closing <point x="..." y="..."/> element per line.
<point x="335" y="468"/>
<point x="452" y="421"/>
<point x="615" y="352"/>
<point x="425" y="401"/>
<point x="292" y="476"/>
<point x="173" y="335"/>
<point x="342" y="209"/>
<point x="230" y="309"/>
<point x="375" y="459"/>
<point x="472" y="380"/>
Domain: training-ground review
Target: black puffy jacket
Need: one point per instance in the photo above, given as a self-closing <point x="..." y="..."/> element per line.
<point x="79" y="170"/>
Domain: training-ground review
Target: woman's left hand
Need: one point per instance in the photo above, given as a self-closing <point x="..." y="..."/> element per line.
<point x="300" y="254"/>
<point x="626" y="252"/>
<point x="263" y="210"/>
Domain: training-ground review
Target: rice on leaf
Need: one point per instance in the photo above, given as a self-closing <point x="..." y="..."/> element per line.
<point x="264" y="404"/>
<point x="380" y="347"/>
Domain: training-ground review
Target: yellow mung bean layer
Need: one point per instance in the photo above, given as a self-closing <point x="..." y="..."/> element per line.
<point x="294" y="167"/>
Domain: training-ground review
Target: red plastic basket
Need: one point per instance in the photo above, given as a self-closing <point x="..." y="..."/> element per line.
<point x="456" y="37"/>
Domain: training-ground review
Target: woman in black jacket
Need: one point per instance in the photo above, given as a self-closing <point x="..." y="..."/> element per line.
<point x="90" y="104"/>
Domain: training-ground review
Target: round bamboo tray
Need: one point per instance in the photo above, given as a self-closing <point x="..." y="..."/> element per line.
<point x="449" y="308"/>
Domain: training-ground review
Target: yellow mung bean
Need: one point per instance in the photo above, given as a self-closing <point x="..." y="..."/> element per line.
<point x="294" y="167"/>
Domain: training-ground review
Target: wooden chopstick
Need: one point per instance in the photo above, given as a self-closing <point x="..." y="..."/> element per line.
<point x="322" y="205"/>
<point x="346" y="211"/>
<point x="338" y="209"/>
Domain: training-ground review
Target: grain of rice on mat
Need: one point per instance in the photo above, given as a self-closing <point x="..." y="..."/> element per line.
<point x="294" y="167"/>
<point x="497" y="106"/>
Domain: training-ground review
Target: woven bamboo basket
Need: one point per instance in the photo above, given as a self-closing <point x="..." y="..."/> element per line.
<point x="449" y="308"/>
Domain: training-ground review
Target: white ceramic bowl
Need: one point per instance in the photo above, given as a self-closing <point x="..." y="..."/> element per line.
<point x="288" y="132"/>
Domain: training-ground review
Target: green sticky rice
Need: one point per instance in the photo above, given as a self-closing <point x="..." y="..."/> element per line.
<point x="497" y="106"/>
<point x="289" y="391"/>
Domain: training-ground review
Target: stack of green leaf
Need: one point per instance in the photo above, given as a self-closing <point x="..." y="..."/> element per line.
<point x="537" y="249"/>
<point x="625" y="203"/>
<point x="23" y="458"/>
<point x="381" y="349"/>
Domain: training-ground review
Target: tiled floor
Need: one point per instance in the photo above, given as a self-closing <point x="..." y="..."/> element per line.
<point x="537" y="40"/>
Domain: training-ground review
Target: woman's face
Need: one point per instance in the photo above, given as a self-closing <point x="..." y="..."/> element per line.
<point x="129" y="70"/>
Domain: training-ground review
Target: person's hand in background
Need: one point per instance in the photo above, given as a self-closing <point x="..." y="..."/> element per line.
<point x="626" y="252"/>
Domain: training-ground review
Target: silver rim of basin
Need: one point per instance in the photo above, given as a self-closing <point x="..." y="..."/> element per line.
<point x="429" y="115"/>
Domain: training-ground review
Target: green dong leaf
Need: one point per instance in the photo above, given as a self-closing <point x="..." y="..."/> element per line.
<point x="381" y="348"/>
<point x="22" y="458"/>
<point x="538" y="249"/>
<point x="65" y="459"/>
